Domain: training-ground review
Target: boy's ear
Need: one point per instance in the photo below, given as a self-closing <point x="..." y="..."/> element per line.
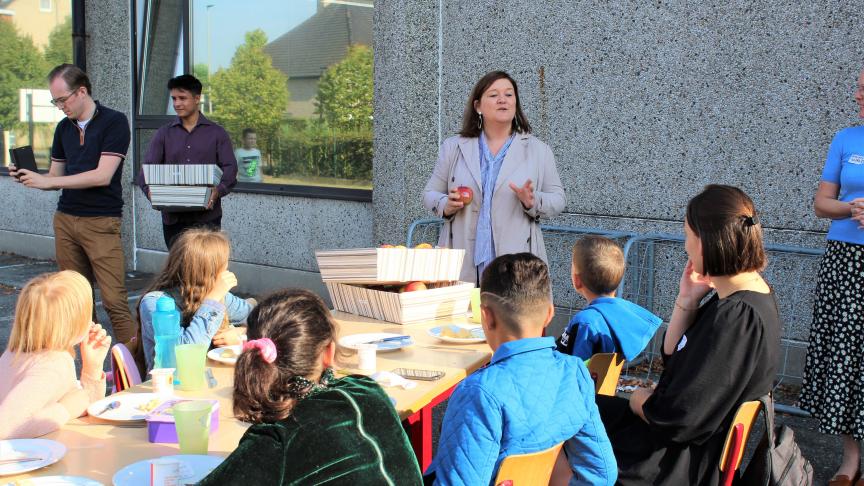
<point x="550" y="313"/>
<point x="487" y="317"/>
<point x="577" y="281"/>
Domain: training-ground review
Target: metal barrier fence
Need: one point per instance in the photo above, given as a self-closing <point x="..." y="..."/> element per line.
<point x="654" y="266"/>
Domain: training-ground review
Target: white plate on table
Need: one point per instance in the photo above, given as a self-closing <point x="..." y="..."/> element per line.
<point x="217" y="354"/>
<point x="48" y="452"/>
<point x="353" y="340"/>
<point x="57" y="481"/>
<point x="134" y="407"/>
<point x="476" y="333"/>
<point x="193" y="468"/>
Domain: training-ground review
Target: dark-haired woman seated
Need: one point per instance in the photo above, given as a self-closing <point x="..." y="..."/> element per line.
<point x="309" y="428"/>
<point x="717" y="354"/>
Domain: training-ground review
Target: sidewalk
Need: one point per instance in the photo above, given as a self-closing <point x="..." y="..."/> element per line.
<point x="822" y="451"/>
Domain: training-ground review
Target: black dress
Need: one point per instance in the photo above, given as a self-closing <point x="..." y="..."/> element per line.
<point x="729" y="355"/>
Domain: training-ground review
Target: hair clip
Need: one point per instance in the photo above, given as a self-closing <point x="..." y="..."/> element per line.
<point x="751" y="220"/>
<point x="265" y="347"/>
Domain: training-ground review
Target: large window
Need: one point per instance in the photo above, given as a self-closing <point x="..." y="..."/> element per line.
<point x="291" y="82"/>
<point x="34" y="37"/>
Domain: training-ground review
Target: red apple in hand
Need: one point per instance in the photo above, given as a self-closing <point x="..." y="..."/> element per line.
<point x="412" y="286"/>
<point x="466" y="195"/>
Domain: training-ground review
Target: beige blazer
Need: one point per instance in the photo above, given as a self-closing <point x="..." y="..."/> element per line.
<point x="514" y="229"/>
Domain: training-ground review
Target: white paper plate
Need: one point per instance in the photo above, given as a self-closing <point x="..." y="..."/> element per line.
<point x="477" y="335"/>
<point x="50" y="451"/>
<point x="216" y="354"/>
<point x="193" y="468"/>
<point x="353" y="340"/>
<point x="134" y="407"/>
<point x="57" y="481"/>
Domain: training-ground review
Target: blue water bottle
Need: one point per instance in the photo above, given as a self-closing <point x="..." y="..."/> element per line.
<point x="166" y="331"/>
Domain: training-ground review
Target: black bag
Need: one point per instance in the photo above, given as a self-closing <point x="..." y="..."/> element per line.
<point x="777" y="460"/>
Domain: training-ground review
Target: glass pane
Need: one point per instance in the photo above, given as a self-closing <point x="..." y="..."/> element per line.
<point x="34" y="37"/>
<point x="298" y="74"/>
<point x="160" y="52"/>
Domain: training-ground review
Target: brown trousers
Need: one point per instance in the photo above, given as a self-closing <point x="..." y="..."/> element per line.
<point x="91" y="246"/>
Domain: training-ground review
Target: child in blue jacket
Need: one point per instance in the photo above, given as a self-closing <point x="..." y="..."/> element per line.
<point x="529" y="398"/>
<point x="608" y="324"/>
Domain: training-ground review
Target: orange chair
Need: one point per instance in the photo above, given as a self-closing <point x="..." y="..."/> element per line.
<point x="736" y="439"/>
<point x="532" y="469"/>
<point x="605" y="369"/>
<point x="124" y="369"/>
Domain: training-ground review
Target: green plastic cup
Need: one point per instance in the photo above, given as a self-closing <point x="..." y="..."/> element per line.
<point x="191" y="359"/>
<point x="192" y="419"/>
<point x="475" y="305"/>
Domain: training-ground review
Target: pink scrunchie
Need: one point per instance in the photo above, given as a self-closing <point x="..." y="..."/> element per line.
<point x="265" y="346"/>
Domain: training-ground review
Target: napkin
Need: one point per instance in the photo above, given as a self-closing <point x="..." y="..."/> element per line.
<point x="388" y="379"/>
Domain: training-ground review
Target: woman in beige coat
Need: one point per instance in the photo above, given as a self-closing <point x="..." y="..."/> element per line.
<point x="511" y="173"/>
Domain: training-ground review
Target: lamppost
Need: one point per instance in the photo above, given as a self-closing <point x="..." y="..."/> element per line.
<point x="209" y="71"/>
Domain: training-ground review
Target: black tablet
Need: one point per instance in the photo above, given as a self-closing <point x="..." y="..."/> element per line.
<point x="22" y="158"/>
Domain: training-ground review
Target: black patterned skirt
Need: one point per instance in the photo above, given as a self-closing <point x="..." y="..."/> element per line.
<point x="833" y="388"/>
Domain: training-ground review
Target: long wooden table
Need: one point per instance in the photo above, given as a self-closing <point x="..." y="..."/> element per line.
<point x="98" y="449"/>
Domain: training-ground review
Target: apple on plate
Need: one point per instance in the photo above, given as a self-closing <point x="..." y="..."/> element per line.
<point x="412" y="286"/>
<point x="385" y="245"/>
<point x="423" y="246"/>
<point x="466" y="194"/>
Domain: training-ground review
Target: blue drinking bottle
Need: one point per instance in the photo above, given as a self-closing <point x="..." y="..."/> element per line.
<point x="166" y="330"/>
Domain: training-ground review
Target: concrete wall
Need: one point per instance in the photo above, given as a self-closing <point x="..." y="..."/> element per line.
<point x="642" y="103"/>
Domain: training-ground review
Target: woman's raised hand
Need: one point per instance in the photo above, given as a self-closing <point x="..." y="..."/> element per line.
<point x="692" y="287"/>
<point x="224" y="282"/>
<point x="94" y="348"/>
<point x="525" y="193"/>
<point x="454" y="203"/>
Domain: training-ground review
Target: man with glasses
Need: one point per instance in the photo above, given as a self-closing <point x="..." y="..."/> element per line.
<point x="86" y="164"/>
<point x="191" y="139"/>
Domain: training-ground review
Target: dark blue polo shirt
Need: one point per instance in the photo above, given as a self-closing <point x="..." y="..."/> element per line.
<point x="107" y="133"/>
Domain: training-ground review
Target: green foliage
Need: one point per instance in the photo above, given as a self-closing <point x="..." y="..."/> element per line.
<point x="345" y="90"/>
<point x="59" y="48"/>
<point x="21" y="66"/>
<point x="250" y="92"/>
<point x="319" y="151"/>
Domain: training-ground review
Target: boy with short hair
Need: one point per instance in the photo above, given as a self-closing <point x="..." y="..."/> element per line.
<point x="608" y="324"/>
<point x="529" y="398"/>
<point x="248" y="158"/>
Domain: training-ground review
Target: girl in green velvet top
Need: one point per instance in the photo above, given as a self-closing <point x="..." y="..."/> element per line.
<point x="309" y="428"/>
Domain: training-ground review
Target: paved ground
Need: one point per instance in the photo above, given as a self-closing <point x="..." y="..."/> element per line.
<point x="823" y="451"/>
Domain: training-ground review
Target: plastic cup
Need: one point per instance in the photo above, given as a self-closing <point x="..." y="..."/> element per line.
<point x="475" y="305"/>
<point x="192" y="419"/>
<point x="163" y="381"/>
<point x="191" y="359"/>
<point x="366" y="356"/>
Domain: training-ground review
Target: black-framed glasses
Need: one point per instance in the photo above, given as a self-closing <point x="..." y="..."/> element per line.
<point x="61" y="101"/>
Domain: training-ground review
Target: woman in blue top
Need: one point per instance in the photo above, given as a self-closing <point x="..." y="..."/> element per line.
<point x="196" y="276"/>
<point x="511" y="173"/>
<point x="833" y="390"/>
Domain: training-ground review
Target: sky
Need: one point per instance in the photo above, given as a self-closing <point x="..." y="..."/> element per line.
<point x="230" y="20"/>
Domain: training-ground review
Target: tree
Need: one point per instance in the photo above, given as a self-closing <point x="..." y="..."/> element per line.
<point x="250" y="93"/>
<point x="59" y="48"/>
<point x="345" y="90"/>
<point x="21" y="66"/>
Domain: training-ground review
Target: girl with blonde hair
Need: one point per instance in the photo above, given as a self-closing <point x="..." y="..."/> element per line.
<point x="38" y="388"/>
<point x="196" y="276"/>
